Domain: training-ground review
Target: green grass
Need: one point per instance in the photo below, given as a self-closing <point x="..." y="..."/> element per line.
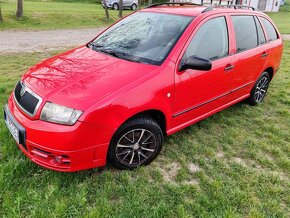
<point x="49" y="14"/>
<point x="240" y="160"/>
<point x="55" y="15"/>
<point x="282" y="18"/>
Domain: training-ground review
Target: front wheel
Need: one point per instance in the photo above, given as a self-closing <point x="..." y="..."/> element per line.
<point x="260" y="89"/>
<point x="136" y="143"/>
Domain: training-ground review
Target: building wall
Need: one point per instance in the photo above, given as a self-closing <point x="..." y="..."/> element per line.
<point x="271" y="5"/>
<point x="263" y="5"/>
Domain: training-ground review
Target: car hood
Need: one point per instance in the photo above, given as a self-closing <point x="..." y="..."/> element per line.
<point x="81" y="77"/>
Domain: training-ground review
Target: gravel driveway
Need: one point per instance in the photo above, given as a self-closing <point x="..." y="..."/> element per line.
<point x="13" y="41"/>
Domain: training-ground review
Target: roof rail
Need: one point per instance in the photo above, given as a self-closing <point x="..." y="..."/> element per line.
<point x="210" y="8"/>
<point x="173" y="3"/>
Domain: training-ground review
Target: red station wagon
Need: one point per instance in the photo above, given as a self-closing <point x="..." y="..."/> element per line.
<point x="149" y="75"/>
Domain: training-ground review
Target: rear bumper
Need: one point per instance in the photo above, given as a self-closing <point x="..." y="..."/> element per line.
<point x="62" y="148"/>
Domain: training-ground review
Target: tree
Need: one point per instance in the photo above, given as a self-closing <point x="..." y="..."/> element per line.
<point x="19" y="12"/>
<point x="120" y="8"/>
<point x="1" y="18"/>
<point x="106" y="10"/>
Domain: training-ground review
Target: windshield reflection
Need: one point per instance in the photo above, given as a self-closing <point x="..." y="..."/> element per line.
<point x="142" y="37"/>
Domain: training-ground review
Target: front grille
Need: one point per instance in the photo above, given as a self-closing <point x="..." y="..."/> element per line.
<point x="26" y="99"/>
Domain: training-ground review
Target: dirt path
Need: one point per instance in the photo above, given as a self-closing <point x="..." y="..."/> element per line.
<point x="286" y="37"/>
<point x="14" y="41"/>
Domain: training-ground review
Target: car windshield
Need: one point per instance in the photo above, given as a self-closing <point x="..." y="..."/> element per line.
<point x="142" y="37"/>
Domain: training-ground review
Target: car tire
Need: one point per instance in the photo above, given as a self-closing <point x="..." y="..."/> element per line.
<point x="133" y="7"/>
<point x="137" y="142"/>
<point x="115" y="6"/>
<point x="260" y="89"/>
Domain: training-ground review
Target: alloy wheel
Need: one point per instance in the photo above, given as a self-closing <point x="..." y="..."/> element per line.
<point x="261" y="89"/>
<point x="134" y="7"/>
<point x="136" y="147"/>
<point x="115" y="7"/>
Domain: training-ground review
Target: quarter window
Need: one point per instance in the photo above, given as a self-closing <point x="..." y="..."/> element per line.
<point x="211" y="40"/>
<point x="270" y="30"/>
<point x="245" y="32"/>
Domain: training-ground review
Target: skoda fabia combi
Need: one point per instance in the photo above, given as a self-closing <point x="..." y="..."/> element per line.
<point x="147" y="76"/>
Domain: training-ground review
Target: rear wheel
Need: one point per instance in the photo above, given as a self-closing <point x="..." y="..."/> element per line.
<point x="260" y="89"/>
<point x="134" y="7"/>
<point x="136" y="143"/>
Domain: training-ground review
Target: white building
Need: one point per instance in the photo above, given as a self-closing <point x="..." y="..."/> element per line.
<point x="262" y="5"/>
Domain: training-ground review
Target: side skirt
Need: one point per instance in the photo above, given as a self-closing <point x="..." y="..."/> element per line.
<point x="195" y="120"/>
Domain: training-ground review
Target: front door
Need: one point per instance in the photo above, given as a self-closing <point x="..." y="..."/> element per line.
<point x="199" y="93"/>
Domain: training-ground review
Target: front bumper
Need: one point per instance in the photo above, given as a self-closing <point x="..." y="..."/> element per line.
<point x="59" y="147"/>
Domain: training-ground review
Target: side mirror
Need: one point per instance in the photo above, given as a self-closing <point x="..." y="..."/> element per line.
<point x="196" y="63"/>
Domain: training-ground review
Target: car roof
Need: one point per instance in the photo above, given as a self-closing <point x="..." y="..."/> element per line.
<point x="195" y="10"/>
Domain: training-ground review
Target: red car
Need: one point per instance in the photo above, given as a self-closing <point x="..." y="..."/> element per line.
<point x="147" y="76"/>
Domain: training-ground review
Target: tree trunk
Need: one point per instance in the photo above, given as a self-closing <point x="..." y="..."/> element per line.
<point x="139" y="4"/>
<point x="120" y="8"/>
<point x="19" y="12"/>
<point x="1" y="18"/>
<point x="106" y="10"/>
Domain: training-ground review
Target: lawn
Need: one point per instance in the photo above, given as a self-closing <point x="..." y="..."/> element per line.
<point x="233" y="164"/>
<point x="282" y="19"/>
<point x="55" y="15"/>
<point x="49" y="14"/>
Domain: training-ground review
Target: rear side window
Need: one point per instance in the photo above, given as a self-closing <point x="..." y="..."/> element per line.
<point x="261" y="35"/>
<point x="245" y="32"/>
<point x="211" y="40"/>
<point x="270" y="30"/>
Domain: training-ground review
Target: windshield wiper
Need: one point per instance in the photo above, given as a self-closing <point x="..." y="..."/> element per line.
<point x="109" y="52"/>
<point x="94" y="46"/>
<point x="102" y="49"/>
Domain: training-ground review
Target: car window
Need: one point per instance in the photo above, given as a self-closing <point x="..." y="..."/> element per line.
<point x="211" y="40"/>
<point x="143" y="37"/>
<point x="245" y="32"/>
<point x="270" y="30"/>
<point x="261" y="35"/>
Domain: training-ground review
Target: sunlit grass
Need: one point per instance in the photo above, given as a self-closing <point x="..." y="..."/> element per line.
<point x="55" y="15"/>
<point x="282" y="18"/>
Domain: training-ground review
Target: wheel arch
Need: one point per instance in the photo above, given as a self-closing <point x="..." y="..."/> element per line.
<point x="155" y="114"/>
<point x="270" y="70"/>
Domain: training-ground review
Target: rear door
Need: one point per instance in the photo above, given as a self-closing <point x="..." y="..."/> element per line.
<point x="251" y="53"/>
<point x="198" y="93"/>
<point x="275" y="44"/>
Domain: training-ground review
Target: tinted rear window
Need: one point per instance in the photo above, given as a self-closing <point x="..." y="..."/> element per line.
<point x="270" y="30"/>
<point x="245" y="32"/>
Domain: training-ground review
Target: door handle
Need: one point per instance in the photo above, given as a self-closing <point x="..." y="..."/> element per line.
<point x="264" y="54"/>
<point x="229" y="67"/>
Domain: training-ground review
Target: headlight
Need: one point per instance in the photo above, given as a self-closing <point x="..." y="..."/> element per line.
<point x="59" y="114"/>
